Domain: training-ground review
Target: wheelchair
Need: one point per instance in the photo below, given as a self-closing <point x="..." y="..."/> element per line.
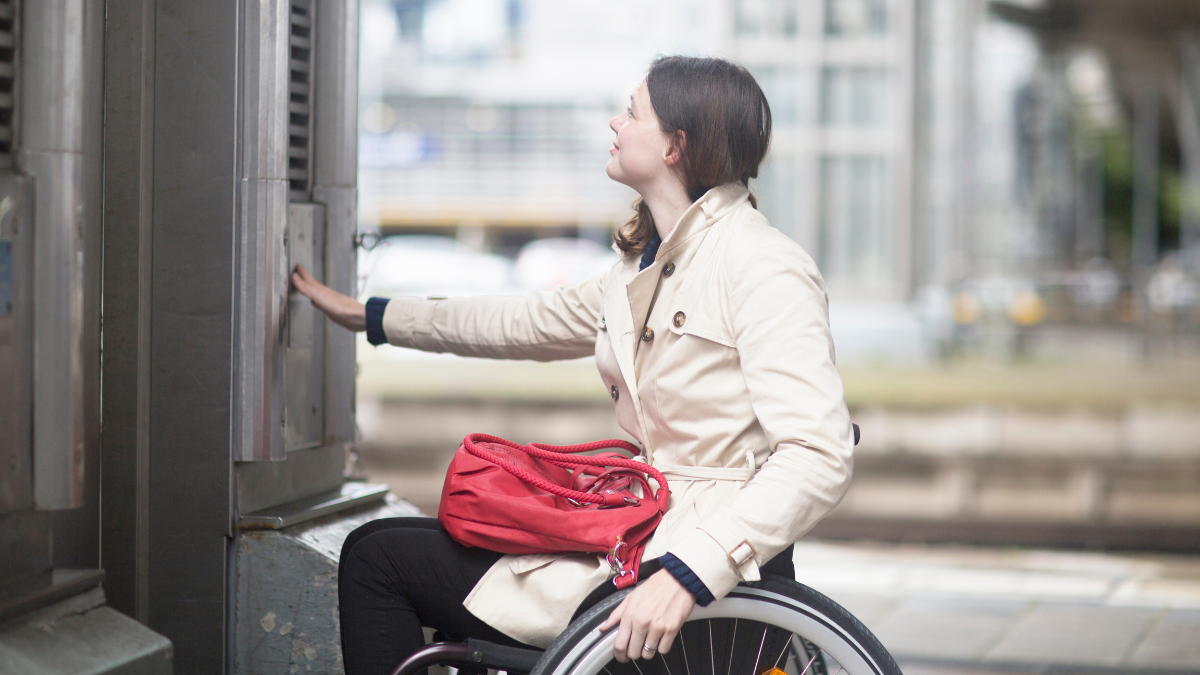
<point x="775" y="626"/>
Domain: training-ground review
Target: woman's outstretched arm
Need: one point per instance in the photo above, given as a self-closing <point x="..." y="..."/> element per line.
<point x="542" y="326"/>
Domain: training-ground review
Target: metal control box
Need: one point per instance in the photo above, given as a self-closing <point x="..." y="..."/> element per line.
<point x="303" y="420"/>
<point x="296" y="205"/>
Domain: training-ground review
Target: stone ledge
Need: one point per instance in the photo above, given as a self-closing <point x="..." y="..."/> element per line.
<point x="81" y="635"/>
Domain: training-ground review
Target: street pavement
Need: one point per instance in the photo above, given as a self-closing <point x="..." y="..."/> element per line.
<point x="946" y="610"/>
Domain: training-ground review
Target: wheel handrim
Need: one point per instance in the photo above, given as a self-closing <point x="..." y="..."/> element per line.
<point x="594" y="651"/>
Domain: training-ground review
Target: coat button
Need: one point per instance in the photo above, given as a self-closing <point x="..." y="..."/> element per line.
<point x="679" y="319"/>
<point x="603" y="324"/>
<point x="647" y="334"/>
<point x="669" y="269"/>
<point x="616" y="393"/>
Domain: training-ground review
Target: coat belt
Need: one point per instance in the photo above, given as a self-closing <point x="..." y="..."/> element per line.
<point x="683" y="472"/>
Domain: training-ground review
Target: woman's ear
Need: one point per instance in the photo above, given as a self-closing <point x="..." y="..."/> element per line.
<point x="676" y="148"/>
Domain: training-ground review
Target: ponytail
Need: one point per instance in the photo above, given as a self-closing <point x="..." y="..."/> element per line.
<point x="635" y="234"/>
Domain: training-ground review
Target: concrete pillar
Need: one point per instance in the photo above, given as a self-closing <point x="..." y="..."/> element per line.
<point x="1189" y="141"/>
<point x="1145" y="192"/>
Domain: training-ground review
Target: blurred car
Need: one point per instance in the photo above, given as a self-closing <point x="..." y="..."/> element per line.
<point x="1097" y="285"/>
<point x="1090" y="293"/>
<point x="433" y="266"/>
<point x="544" y="264"/>
<point x="1172" y="288"/>
<point x="983" y="298"/>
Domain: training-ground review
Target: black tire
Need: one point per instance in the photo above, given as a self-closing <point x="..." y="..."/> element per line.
<point x="845" y="645"/>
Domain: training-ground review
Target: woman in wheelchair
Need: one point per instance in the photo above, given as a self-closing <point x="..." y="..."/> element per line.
<point x="712" y="336"/>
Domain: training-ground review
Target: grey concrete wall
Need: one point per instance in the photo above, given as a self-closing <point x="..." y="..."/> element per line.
<point x="286" y="613"/>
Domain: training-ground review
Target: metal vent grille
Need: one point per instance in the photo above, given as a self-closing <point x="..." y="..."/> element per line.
<point x="300" y="101"/>
<point x="8" y="80"/>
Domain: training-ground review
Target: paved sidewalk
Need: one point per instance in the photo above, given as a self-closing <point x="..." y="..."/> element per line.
<point x="944" y="610"/>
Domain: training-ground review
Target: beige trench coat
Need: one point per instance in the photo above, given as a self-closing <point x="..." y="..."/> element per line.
<point x="719" y="361"/>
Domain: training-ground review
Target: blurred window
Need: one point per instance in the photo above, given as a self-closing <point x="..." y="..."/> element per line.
<point x="854" y="96"/>
<point x="781" y="188"/>
<point x="854" y="18"/>
<point x="483" y="148"/>
<point x="410" y="15"/>
<point x="854" y="205"/>
<point x="767" y="18"/>
<point x="781" y="85"/>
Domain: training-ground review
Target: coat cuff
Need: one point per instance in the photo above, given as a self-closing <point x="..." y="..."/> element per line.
<point x="408" y="322"/>
<point x="732" y="540"/>
<point x="687" y="578"/>
<point x="375" y="310"/>
<point x="705" y="557"/>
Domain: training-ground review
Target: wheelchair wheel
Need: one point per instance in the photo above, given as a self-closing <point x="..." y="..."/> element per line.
<point x="773" y="624"/>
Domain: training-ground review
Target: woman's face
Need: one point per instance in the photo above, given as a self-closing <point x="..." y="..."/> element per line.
<point x="639" y="155"/>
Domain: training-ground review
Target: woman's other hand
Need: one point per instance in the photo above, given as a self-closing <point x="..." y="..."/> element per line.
<point x="343" y="310"/>
<point x="650" y="616"/>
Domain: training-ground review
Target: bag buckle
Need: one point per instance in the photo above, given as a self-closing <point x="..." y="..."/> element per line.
<point x="614" y="560"/>
<point x="629" y="501"/>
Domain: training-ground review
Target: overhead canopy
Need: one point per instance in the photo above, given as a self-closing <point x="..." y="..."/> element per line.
<point x="1143" y="40"/>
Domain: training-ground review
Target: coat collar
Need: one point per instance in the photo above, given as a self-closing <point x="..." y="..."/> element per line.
<point x="703" y="212"/>
<point x="711" y="206"/>
<point x="629" y="300"/>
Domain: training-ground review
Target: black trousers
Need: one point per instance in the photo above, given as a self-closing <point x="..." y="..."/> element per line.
<point x="396" y="575"/>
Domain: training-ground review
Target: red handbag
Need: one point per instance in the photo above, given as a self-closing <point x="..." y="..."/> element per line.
<point x="536" y="498"/>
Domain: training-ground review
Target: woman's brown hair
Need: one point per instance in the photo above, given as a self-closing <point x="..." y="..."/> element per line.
<point x="726" y="124"/>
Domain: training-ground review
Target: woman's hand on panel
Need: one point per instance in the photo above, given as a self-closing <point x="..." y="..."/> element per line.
<point x="650" y="617"/>
<point x="342" y="309"/>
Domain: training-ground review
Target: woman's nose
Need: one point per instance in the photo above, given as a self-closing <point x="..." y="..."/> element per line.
<point x="615" y="123"/>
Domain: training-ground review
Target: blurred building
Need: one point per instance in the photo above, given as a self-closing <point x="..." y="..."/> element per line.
<point x="840" y="78"/>
<point x="973" y="177"/>
<point x="971" y="161"/>
<point x="485" y="125"/>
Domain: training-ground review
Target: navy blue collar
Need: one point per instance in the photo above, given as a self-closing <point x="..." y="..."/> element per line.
<point x="651" y="251"/>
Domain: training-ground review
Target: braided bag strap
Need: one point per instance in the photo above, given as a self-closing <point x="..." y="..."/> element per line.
<point x="553" y="453"/>
<point x="564" y="456"/>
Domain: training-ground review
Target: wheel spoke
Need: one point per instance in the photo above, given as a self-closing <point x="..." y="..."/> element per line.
<point x="810" y="662"/>
<point x="683" y="650"/>
<point x="785" y="651"/>
<point x="732" y="644"/>
<point x="712" y="654"/>
<point x="821" y="666"/>
<point x="761" y="642"/>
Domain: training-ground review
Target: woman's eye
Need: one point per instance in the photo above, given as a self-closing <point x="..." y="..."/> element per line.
<point x="629" y="112"/>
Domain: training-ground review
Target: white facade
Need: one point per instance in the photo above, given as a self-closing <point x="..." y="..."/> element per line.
<point x="839" y="76"/>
